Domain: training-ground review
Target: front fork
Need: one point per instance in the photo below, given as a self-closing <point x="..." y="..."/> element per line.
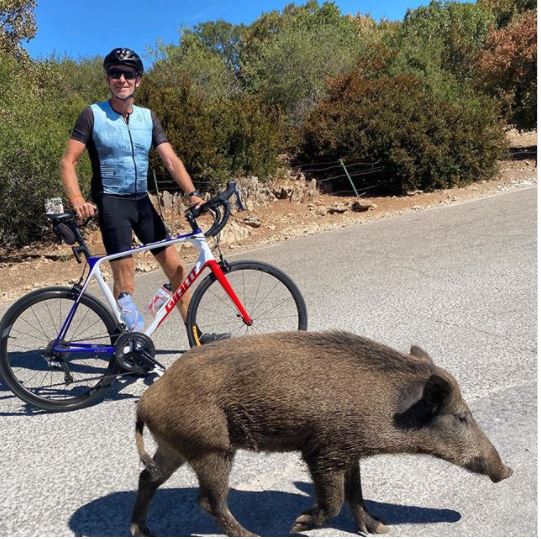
<point x="219" y="270"/>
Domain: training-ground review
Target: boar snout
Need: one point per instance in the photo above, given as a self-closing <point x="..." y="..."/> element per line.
<point x="503" y="473"/>
<point x="497" y="472"/>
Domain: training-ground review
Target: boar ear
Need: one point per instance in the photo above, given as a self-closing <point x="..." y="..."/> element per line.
<point x="419" y="353"/>
<point x="437" y="391"/>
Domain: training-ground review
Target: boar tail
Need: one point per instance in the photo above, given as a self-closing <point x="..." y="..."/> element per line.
<point x="146" y="459"/>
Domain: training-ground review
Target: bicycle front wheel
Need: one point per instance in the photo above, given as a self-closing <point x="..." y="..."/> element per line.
<point x="270" y="297"/>
<point x="57" y="381"/>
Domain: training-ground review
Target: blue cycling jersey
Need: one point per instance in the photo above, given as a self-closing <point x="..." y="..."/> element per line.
<point x="118" y="149"/>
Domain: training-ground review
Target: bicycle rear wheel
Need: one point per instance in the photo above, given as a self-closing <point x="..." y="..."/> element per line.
<point x="62" y="381"/>
<point x="271" y="298"/>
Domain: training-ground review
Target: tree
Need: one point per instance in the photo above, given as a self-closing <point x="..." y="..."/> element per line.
<point x="507" y="69"/>
<point x="504" y="10"/>
<point x="444" y="36"/>
<point x="287" y="57"/>
<point x="17" y="23"/>
<point x="222" y="38"/>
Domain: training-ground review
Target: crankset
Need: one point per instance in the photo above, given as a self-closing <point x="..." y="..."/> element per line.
<point x="135" y="352"/>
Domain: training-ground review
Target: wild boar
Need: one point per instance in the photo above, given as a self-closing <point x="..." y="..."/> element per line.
<point x="333" y="396"/>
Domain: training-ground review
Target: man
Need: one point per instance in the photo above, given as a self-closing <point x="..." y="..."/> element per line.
<point x="118" y="136"/>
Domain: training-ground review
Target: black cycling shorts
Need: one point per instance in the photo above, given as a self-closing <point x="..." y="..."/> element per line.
<point x="118" y="216"/>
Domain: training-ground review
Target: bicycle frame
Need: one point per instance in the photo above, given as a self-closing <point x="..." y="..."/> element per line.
<point x="205" y="260"/>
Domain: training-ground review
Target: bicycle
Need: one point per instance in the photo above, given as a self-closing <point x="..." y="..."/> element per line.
<point x="61" y="348"/>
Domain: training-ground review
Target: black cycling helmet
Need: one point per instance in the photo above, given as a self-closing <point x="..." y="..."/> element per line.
<point x="124" y="57"/>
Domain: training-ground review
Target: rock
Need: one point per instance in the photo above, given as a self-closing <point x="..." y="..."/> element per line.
<point x="145" y="266"/>
<point x="337" y="207"/>
<point x="253" y="221"/>
<point x="233" y="233"/>
<point x="296" y="195"/>
<point x="253" y="192"/>
<point x="360" y="206"/>
<point x="167" y="200"/>
<point x="282" y="193"/>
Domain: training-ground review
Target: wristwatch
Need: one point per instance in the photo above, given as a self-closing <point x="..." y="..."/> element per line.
<point x="195" y="193"/>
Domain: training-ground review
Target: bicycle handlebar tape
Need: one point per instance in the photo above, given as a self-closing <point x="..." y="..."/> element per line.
<point x="218" y="204"/>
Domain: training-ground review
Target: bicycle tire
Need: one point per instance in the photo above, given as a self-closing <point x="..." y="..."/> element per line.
<point x="270" y="296"/>
<point x="33" y="313"/>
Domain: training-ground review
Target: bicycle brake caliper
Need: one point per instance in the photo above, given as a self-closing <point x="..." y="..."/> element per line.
<point x="225" y="265"/>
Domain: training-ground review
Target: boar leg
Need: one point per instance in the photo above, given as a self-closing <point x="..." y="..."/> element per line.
<point x="166" y="464"/>
<point x="366" y="522"/>
<point x="329" y="486"/>
<point x="212" y="470"/>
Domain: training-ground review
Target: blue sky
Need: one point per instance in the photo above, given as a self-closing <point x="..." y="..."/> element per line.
<point x="83" y="28"/>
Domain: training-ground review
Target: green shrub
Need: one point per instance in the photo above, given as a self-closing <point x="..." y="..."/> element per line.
<point x="33" y="133"/>
<point x="420" y="139"/>
<point x="215" y="136"/>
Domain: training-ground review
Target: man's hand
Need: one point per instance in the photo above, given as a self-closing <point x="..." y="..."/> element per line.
<point x="82" y="208"/>
<point x="196" y="201"/>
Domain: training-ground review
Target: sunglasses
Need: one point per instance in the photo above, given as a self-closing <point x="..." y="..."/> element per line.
<point x="117" y="73"/>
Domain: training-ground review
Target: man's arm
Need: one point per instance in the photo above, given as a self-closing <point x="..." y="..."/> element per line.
<point x="176" y="168"/>
<point x="72" y="155"/>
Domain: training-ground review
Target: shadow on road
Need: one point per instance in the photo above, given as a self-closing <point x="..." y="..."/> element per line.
<point x="117" y="392"/>
<point x="175" y="512"/>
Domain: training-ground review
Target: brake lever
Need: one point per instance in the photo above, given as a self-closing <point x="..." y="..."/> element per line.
<point x="240" y="204"/>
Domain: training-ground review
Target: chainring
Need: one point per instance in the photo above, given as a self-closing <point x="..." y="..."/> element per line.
<point x="134" y="352"/>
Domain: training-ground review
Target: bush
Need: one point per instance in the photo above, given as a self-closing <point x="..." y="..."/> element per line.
<point x="33" y="133"/>
<point x="215" y="136"/>
<point x="420" y="139"/>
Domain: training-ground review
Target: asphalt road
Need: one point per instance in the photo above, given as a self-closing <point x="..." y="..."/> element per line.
<point x="460" y="281"/>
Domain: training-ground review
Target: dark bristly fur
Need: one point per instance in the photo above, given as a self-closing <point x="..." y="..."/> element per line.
<point x="333" y="396"/>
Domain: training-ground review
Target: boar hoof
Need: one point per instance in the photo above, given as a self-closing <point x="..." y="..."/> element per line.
<point x="140" y="530"/>
<point x="305" y="521"/>
<point x="369" y="524"/>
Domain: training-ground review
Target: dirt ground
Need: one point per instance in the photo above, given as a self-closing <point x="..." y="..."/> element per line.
<point x="40" y="265"/>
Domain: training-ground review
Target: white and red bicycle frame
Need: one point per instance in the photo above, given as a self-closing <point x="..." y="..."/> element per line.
<point x="205" y="260"/>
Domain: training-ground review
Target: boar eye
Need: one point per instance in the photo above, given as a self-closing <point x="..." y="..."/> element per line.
<point x="462" y="417"/>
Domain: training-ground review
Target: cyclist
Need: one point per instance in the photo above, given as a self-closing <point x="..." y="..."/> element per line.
<point x="118" y="136"/>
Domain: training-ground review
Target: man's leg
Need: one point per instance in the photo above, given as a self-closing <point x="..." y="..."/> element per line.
<point x="115" y="217"/>
<point x="175" y="271"/>
<point x="123" y="275"/>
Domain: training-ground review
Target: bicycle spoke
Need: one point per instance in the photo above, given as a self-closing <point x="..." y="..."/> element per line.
<point x="35" y="328"/>
<point x="280" y="303"/>
<point x="253" y="308"/>
<point x="265" y="297"/>
<point x="49" y="311"/>
<point x="77" y="328"/>
<point x="23" y="335"/>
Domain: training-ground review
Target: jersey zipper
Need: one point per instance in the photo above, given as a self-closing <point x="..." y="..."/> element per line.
<point x="132" y="154"/>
